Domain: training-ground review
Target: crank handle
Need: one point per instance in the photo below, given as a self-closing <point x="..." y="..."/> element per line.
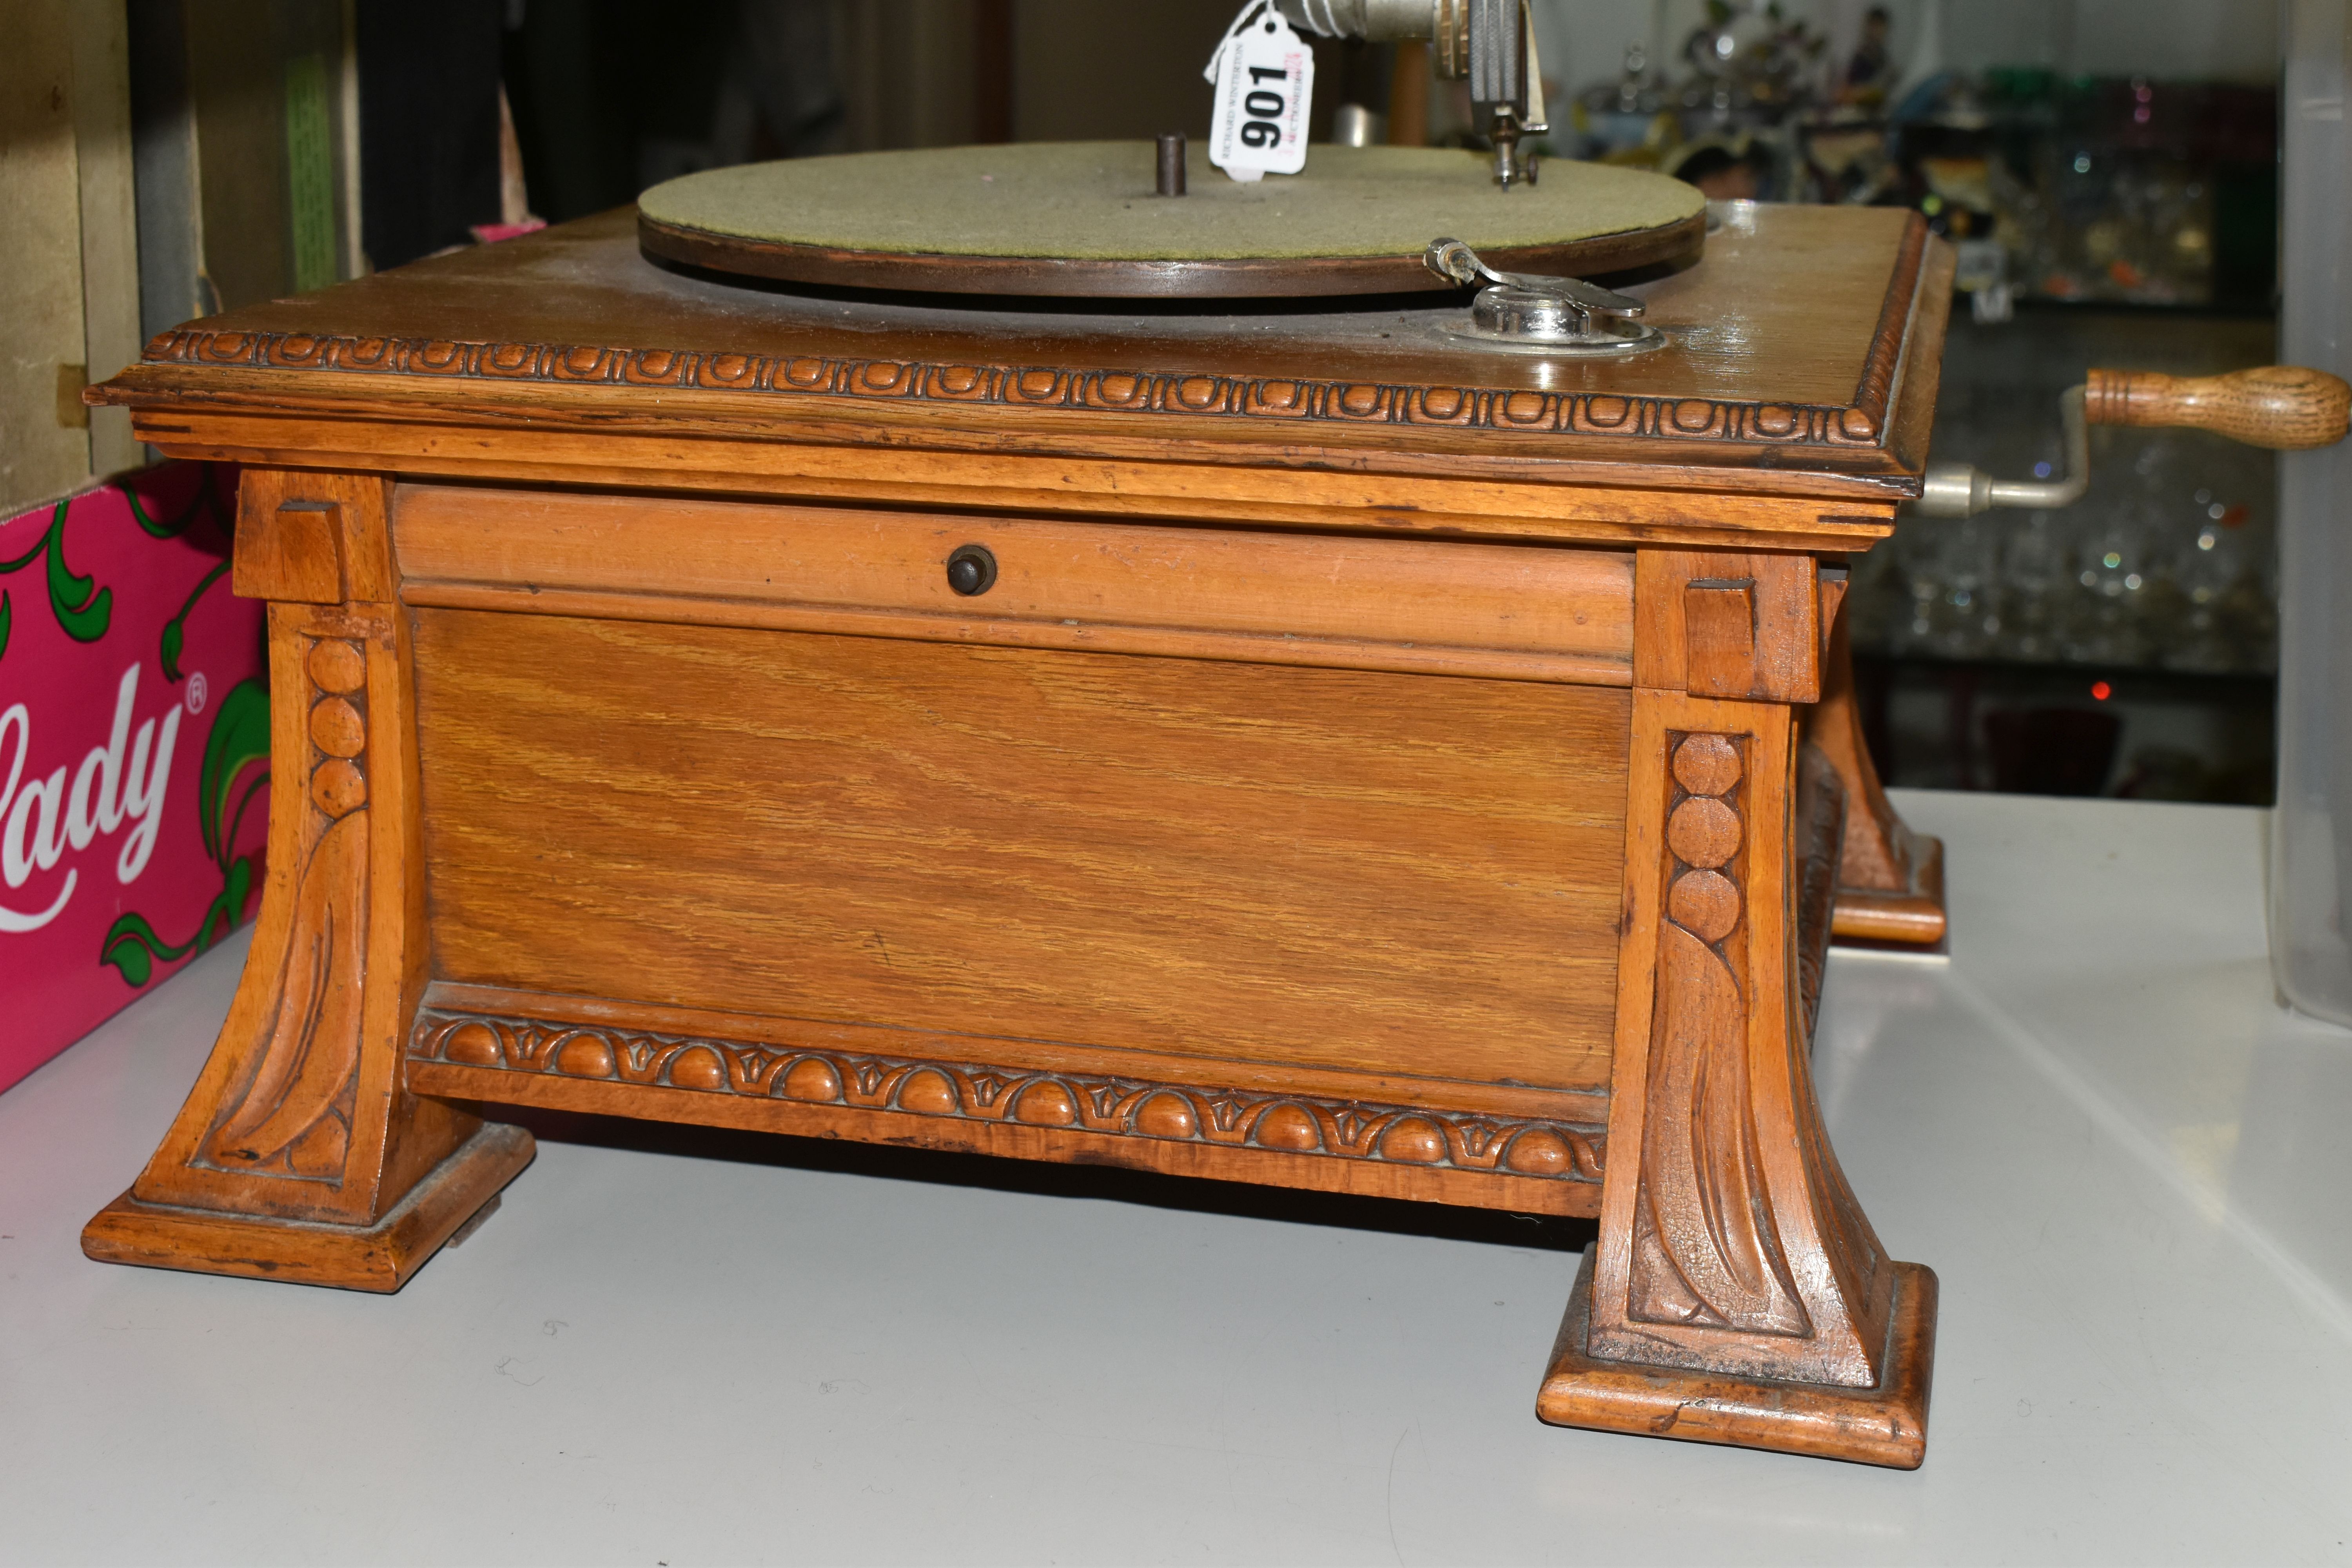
<point x="1963" y="489"/>
<point x="2282" y="406"/>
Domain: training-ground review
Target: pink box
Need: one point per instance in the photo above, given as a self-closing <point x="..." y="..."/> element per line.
<point x="134" y="749"/>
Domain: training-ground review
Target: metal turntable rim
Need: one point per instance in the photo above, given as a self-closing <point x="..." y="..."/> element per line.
<point x="1544" y="222"/>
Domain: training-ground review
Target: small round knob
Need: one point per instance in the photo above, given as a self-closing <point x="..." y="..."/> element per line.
<point x="971" y="570"/>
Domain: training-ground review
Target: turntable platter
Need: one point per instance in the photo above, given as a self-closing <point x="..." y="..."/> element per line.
<point x="1081" y="219"/>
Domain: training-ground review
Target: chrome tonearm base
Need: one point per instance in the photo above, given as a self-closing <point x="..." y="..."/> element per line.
<point x="1532" y="311"/>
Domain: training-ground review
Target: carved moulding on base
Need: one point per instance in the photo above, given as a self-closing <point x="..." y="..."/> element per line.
<point x="1733" y="1246"/>
<point x="1290" y="1123"/>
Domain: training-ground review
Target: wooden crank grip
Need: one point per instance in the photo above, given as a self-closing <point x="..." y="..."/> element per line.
<point x="2284" y="406"/>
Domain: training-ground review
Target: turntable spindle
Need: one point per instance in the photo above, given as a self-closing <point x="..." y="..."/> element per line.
<point x="1171" y="164"/>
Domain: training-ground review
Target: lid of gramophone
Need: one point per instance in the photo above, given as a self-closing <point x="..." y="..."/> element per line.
<point x="1085" y="219"/>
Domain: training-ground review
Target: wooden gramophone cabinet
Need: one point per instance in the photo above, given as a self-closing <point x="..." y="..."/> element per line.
<point x="1369" y="764"/>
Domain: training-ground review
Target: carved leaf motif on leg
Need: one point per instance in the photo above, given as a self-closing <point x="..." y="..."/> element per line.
<point x="1705" y="1249"/>
<point x="314" y="1043"/>
<point x="293" y="1116"/>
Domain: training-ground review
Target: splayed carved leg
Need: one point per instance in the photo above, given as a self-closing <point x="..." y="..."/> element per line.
<point x="299" y="1155"/>
<point x="1890" y="879"/>
<point x="1738" y="1293"/>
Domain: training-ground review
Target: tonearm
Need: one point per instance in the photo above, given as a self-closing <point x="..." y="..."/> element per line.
<point x="1487" y="42"/>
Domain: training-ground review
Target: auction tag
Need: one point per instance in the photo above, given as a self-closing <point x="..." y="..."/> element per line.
<point x="1265" y="81"/>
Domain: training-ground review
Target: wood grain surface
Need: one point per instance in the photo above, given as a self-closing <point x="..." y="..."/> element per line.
<point x="1562" y="501"/>
<point x="1784" y="351"/>
<point x="1404" y="874"/>
<point x="1068" y="1145"/>
<point x="1733" y="1246"/>
<point x="292" y="553"/>
<point x="1820" y="818"/>
<point x="2283" y="406"/>
<point x="1890" y="879"/>
<point x="1727" y="623"/>
<point x="1911" y="917"/>
<point x="1519" y="611"/>
<point x="1883" y="1425"/>
<point x="772" y="1036"/>
<point x="899" y="1087"/>
<point x="380" y="1256"/>
<point x="1920" y="374"/>
<point x="703" y="799"/>
<point x="298" y="1111"/>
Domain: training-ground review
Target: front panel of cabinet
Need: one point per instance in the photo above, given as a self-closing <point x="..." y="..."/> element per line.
<point x="1340" y="870"/>
<point x="1527" y="612"/>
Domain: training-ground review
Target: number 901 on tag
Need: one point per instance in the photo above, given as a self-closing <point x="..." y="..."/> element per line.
<point x="1266" y="81"/>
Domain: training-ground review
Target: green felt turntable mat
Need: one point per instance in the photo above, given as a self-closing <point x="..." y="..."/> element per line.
<point x="1087" y="208"/>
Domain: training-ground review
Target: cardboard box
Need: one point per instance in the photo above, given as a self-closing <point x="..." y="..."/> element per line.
<point x="134" y="749"/>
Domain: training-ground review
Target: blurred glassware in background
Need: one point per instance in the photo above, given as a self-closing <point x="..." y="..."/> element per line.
<point x="2110" y="219"/>
<point x="2311" y="834"/>
<point x="2168" y="563"/>
<point x="2077" y="188"/>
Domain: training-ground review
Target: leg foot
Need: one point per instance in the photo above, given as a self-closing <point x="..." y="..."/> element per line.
<point x="1911" y="918"/>
<point x="1890" y="879"/>
<point x="379" y="1256"/>
<point x="300" y="1153"/>
<point x="1884" y="1425"/>
<point x="1738" y="1293"/>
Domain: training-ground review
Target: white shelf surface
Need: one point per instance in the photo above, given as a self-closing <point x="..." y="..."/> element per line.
<point x="2128" y="1164"/>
